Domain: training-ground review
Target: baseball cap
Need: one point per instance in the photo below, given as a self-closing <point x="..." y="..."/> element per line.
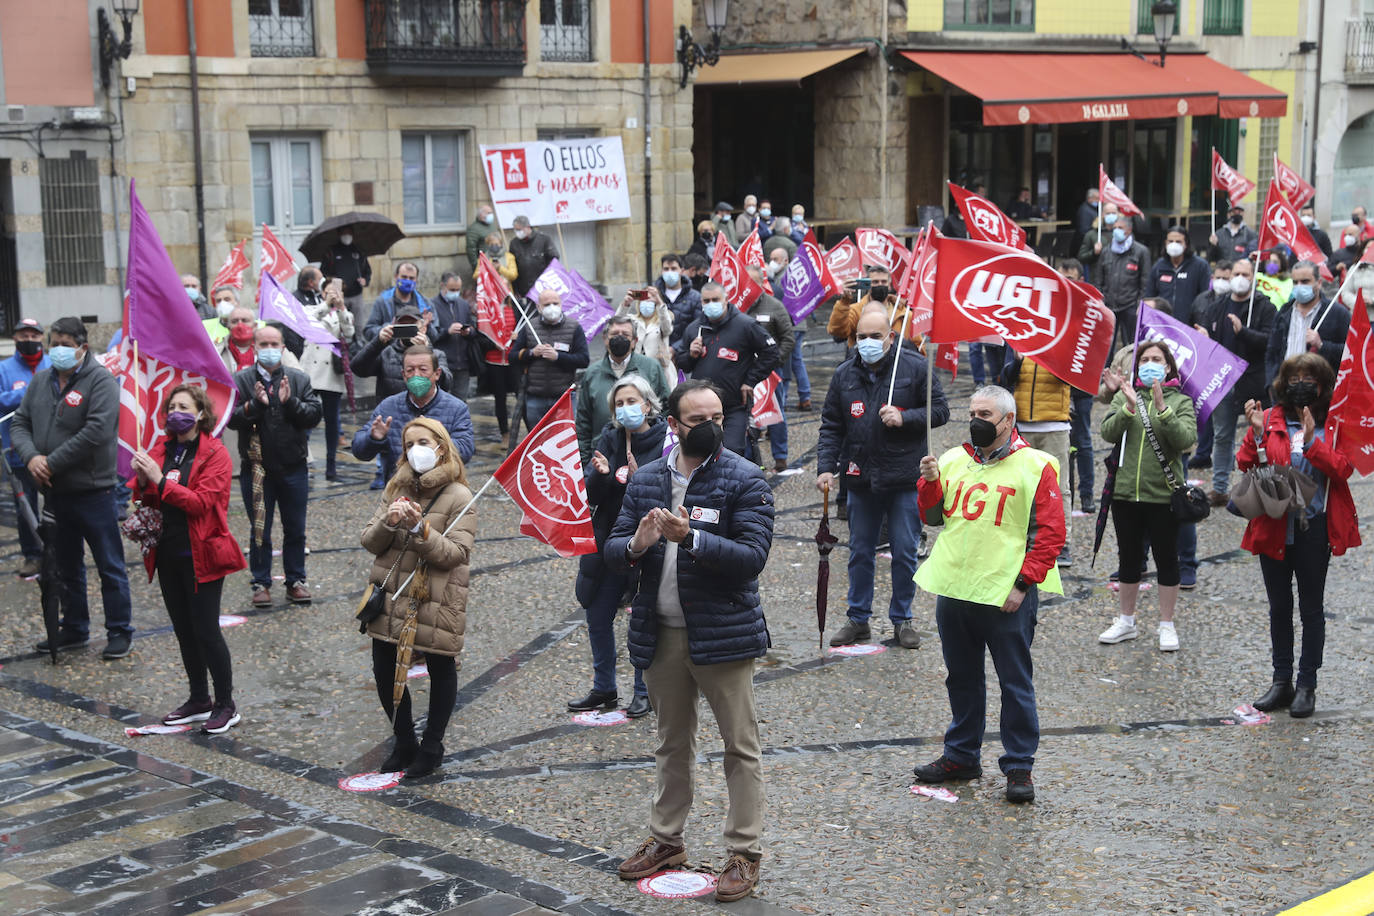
<point x="722" y="205"/>
<point x="27" y="324"/>
<point x="408" y="311"/>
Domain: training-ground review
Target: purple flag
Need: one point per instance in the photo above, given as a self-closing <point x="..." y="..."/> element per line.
<point x="1206" y="369"/>
<point x="276" y="304"/>
<point x="155" y="311"/>
<point x="802" y="289"/>
<point x="580" y="301"/>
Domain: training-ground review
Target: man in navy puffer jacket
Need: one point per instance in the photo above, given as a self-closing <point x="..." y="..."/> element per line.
<point x="697" y="525"/>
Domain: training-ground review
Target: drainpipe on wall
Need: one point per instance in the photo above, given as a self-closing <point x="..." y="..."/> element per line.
<point x="195" y="138"/>
<point x="882" y="122"/>
<point x="1317" y="93"/>
<point x="648" y="159"/>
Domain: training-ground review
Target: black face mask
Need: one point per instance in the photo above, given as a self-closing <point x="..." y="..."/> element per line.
<point x="982" y="433"/>
<point x="1355" y="218"/>
<point x="618" y="346"/>
<point x="702" y="440"/>
<point x="879" y="293"/>
<point x="706" y="237"/>
<point x="1302" y="394"/>
<point x="29" y="347"/>
<point x="1237" y="219"/>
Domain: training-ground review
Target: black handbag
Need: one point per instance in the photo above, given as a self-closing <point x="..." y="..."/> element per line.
<point x="373" y="603"/>
<point x="1189" y="503"/>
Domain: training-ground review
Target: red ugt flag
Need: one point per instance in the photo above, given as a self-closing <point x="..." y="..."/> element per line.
<point x="882" y="249"/>
<point x="231" y="274"/>
<point x="544" y="478"/>
<point x="982" y="289"/>
<point x="986" y="221"/>
<point x="919" y="290"/>
<point x="845" y="262"/>
<point x="493" y="318"/>
<point x="273" y="258"/>
<point x="1111" y="194"/>
<point x="728" y="270"/>
<point x="1352" y="403"/>
<point x="1225" y="178"/>
<point x="1291" y="184"/>
<point x="1279" y="225"/>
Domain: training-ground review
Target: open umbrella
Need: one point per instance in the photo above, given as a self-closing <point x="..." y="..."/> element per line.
<point x="825" y="542"/>
<point x="373" y="233"/>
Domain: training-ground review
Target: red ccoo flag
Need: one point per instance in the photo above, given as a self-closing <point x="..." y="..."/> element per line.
<point x="274" y="258"/>
<point x="1279" y="225"/>
<point x="1352" y="403"/>
<point x="1225" y="178"/>
<point x="986" y="221"/>
<point x="494" y="319"/>
<point x="1297" y="191"/>
<point x="544" y="478"/>
<point x="231" y="274"/>
<point x="1111" y="194"/>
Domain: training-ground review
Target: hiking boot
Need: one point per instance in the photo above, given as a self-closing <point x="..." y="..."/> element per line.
<point x="1019" y="786"/>
<point x="851" y="633"/>
<point x="942" y="768"/>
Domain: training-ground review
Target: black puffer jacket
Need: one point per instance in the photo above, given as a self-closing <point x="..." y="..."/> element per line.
<point x="285" y="427"/>
<point x="854" y="441"/>
<point x="605" y="492"/>
<point x="738" y="352"/>
<point x="717" y="581"/>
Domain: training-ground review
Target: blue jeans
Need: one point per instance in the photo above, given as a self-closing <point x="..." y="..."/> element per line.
<point x="866" y="512"/>
<point x="1081" y="439"/>
<point x="1306" y="559"/>
<point x="975" y="364"/>
<point x="1204" y="439"/>
<point x="290" y="490"/>
<point x="601" y="635"/>
<point x="535" y="408"/>
<point x="796" y="369"/>
<point x="966" y="629"/>
<point x="1224" y="418"/>
<point x="90" y="516"/>
<point x="29" y="545"/>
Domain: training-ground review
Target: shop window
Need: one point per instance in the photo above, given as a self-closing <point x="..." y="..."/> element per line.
<point x="73" y="249"/>
<point x="433" y="179"/>
<point x="999" y="15"/>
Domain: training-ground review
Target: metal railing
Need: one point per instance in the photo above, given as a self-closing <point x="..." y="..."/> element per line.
<point x="446" y="37"/>
<point x="1359" y="47"/>
<point x="565" y="31"/>
<point x="281" y="28"/>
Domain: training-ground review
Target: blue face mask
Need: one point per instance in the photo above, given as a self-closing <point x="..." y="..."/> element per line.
<point x="193" y="293"/>
<point x="870" y="351"/>
<point x="62" y="358"/>
<point x="1118" y="235"/>
<point x="452" y="296"/>
<point x="270" y="357"/>
<point x="646" y="309"/>
<point x="765" y="212"/>
<point x="671" y="278"/>
<point x="630" y="416"/>
<point x="1149" y="373"/>
<point x="713" y="310"/>
<point x="405" y="285"/>
<point x="1109" y="218"/>
<point x="1303" y="293"/>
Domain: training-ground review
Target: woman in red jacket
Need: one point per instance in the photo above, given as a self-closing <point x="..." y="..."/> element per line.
<point x="1301" y="544"/>
<point x="187" y="476"/>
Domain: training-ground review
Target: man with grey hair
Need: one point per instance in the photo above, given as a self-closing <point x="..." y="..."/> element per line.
<point x="781" y="238"/>
<point x="1307" y="321"/>
<point x="593" y="389"/>
<point x="533" y="251"/>
<point x="998" y="500"/>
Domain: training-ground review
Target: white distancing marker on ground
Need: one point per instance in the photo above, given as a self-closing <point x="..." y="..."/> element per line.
<point x="142" y="730"/>
<point x="789" y="472"/>
<point x="1245" y="714"/>
<point x="939" y="793"/>
<point x="677" y="885"/>
<point x="370" y="782"/>
<point x="1116" y="586"/>
<point x="231" y="620"/>
<point x="862" y="648"/>
<point x="597" y="718"/>
<point x="420" y="670"/>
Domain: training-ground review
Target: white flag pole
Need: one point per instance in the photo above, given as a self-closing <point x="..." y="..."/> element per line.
<point x="463" y="512"/>
<point x="525" y="320"/>
<point x="897" y="355"/>
<point x="1349" y="275"/>
<point x="1254" y="282"/>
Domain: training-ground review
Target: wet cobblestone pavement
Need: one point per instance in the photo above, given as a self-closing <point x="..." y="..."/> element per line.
<point x="1149" y="799"/>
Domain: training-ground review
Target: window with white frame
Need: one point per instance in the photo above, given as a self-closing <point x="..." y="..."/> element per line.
<point x="288" y="186"/>
<point x="432" y="179"/>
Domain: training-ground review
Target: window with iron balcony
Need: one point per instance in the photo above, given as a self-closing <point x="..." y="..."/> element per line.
<point x="281" y="28"/>
<point x="445" y="37"/>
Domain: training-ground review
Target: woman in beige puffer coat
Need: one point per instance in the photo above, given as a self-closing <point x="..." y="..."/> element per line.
<point x="428" y="490"/>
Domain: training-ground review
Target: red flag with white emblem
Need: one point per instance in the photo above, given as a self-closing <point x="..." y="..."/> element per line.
<point x="1352" y="403"/>
<point x="728" y="270"/>
<point x="1225" y="178"/>
<point x="986" y="221"/>
<point x="983" y="289"/>
<point x="828" y="279"/>
<point x="231" y="274"/>
<point x="1297" y="191"/>
<point x="494" y="319"/>
<point x="1111" y="194"/>
<point x="845" y="262"/>
<point x="274" y="258"/>
<point x="544" y="478"/>
<point x="882" y="249"/>
<point x="765" y="410"/>
<point x="1279" y="225"/>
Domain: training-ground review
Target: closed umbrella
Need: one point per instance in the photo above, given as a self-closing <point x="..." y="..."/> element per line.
<point x="49" y="591"/>
<point x="1112" y="463"/>
<point x="373" y="233"/>
<point x="825" y="542"/>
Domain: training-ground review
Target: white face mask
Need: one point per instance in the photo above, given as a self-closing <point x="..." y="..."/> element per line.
<point x="774" y="268"/>
<point x="751" y="210"/>
<point x="345" y="238"/>
<point x="1175" y="249"/>
<point x="224" y="310"/>
<point x="553" y="313"/>
<point x="1240" y="285"/>
<point x="1221" y="286"/>
<point x="422" y="458"/>
<point x="522" y="233"/>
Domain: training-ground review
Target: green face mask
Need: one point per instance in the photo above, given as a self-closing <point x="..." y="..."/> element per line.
<point x="418" y="386"/>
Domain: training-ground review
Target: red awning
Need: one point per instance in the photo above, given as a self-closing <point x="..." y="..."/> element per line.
<point x="1039" y="88"/>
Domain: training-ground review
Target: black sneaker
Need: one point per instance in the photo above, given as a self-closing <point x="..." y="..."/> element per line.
<point x="1019" y="786"/>
<point x="65" y="641"/>
<point x="942" y="768"/>
<point x="116" y="647"/>
<point x="188" y="712"/>
<point x="222" y="718"/>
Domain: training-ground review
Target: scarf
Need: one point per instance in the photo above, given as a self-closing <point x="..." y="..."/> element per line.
<point x="242" y="359"/>
<point x="1124" y="246"/>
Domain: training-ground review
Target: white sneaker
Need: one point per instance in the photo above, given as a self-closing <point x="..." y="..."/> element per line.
<point x="1168" y="639"/>
<point x="1119" y="631"/>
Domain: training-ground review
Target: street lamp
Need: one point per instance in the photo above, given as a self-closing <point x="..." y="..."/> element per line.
<point x="1165" y="13"/>
<point x="692" y="55"/>
<point x="111" y="48"/>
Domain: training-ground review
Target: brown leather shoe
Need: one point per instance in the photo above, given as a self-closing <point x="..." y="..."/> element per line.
<point x="1217" y="499"/>
<point x="779" y="467"/>
<point x="801" y="405"/>
<point x="738" y="879"/>
<point x="262" y="597"/>
<point x="298" y="593"/>
<point x="652" y="857"/>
